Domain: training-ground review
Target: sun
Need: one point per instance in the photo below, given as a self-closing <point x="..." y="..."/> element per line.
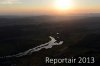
<point x="63" y="4"/>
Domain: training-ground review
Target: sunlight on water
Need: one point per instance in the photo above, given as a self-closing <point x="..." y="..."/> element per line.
<point x="47" y="45"/>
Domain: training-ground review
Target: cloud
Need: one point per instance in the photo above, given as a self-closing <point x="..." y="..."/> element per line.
<point x="26" y="2"/>
<point x="10" y="2"/>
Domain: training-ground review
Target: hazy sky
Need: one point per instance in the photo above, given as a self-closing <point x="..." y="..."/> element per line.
<point x="44" y="6"/>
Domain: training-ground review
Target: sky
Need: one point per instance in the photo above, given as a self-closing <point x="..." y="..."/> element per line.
<point x="46" y="7"/>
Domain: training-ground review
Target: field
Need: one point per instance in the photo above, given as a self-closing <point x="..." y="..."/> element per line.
<point x="81" y="36"/>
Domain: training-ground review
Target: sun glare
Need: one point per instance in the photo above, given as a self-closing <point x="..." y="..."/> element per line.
<point x="63" y="5"/>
